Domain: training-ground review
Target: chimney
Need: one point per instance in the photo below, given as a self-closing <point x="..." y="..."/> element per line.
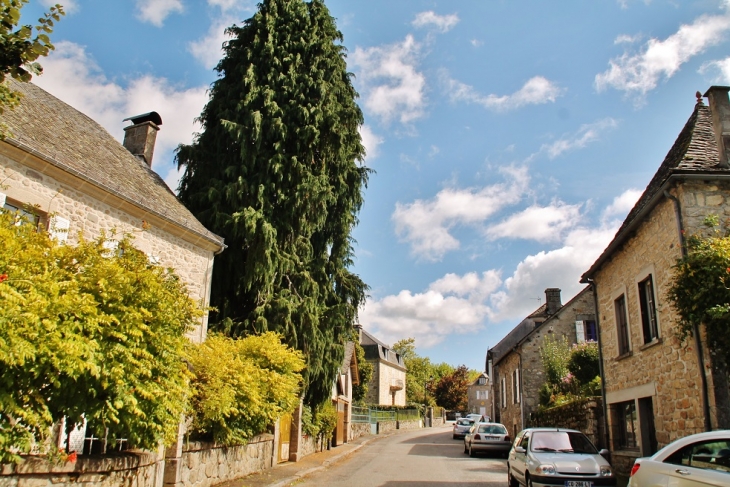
<point x="552" y="298"/>
<point x="717" y="97"/>
<point x="139" y="138"/>
<point x="358" y="328"/>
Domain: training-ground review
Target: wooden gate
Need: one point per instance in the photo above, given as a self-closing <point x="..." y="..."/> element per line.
<point x="284" y="437"/>
<point x="340" y="433"/>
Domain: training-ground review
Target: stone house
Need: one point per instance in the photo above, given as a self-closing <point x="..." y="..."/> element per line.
<point x="517" y="359"/>
<point x="656" y="388"/>
<point x="73" y="178"/>
<point x="387" y="386"/>
<point x="478" y="396"/>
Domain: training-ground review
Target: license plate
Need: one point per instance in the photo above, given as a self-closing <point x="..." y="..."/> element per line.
<point x="578" y="483"/>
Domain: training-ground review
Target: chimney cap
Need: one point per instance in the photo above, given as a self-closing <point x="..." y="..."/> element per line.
<point x="716" y="88"/>
<point x="153" y="117"/>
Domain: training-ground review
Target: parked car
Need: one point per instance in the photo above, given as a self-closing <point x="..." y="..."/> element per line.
<point x="696" y="460"/>
<point x="462" y="427"/>
<point x="543" y="457"/>
<point x="478" y="418"/>
<point x="487" y="437"/>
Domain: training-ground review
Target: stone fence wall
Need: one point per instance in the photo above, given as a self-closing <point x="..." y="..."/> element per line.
<point x="359" y="429"/>
<point x="584" y="415"/>
<point x="206" y="464"/>
<point x="141" y="469"/>
<point x="385" y="426"/>
<point x="410" y="424"/>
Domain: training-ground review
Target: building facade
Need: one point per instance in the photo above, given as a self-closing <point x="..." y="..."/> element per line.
<point x="387" y="386"/>
<point x="479" y="397"/>
<point x="658" y="388"/>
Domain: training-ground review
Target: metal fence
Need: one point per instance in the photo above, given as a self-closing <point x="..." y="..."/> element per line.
<point x="373" y="415"/>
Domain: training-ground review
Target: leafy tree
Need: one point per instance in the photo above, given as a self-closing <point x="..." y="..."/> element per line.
<point x="242" y="385"/>
<point x="555" y="354"/>
<point x="19" y="49"/>
<point x="86" y="331"/>
<point x="700" y="290"/>
<point x="451" y="391"/>
<point x="365" y="368"/>
<point x="276" y="170"/>
<point x="421" y="375"/>
<point x="583" y="362"/>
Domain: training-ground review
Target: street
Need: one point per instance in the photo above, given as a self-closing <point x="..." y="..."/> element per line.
<point x="427" y="457"/>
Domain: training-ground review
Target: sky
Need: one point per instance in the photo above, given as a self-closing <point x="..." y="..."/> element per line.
<point x="509" y="138"/>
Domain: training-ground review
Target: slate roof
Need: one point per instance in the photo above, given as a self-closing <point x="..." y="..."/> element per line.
<point x="66" y="138"/>
<point x="515" y="336"/>
<point x="374" y="349"/>
<point x="694" y="152"/>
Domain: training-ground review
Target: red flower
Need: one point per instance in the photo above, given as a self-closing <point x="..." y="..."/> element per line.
<point x="4" y="277"/>
<point x="72" y="457"/>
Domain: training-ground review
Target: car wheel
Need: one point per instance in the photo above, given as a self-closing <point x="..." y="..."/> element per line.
<point x="511" y="481"/>
<point x="528" y="480"/>
<point x="455" y="437"/>
<point x="472" y="453"/>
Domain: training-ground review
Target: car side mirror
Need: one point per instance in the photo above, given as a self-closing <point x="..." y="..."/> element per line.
<point x="603" y="452"/>
<point x="519" y="449"/>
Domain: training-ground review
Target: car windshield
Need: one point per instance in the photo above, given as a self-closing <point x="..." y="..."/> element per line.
<point x="464" y="422"/>
<point x="561" y="441"/>
<point x="492" y="429"/>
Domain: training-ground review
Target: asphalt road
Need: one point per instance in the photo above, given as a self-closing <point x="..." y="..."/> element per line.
<point x="428" y="457"/>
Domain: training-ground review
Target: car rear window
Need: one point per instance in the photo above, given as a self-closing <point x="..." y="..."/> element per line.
<point x="465" y="422"/>
<point x="493" y="429"/>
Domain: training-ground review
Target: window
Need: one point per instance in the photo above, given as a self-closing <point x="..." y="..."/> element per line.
<point x="586" y="331"/>
<point x="23" y="213"/>
<point x="626" y="417"/>
<point x="482" y="381"/>
<point x="648" y="310"/>
<point x="622" y="325"/>
<point x="515" y="386"/>
<point x="502" y="393"/>
<point x="709" y="455"/>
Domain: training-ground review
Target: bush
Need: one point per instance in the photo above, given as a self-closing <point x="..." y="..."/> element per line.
<point x="555" y="355"/>
<point x="583" y="362"/>
<point x="87" y="332"/>
<point x="241" y="386"/>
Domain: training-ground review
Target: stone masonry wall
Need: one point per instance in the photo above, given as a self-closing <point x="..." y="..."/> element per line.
<point x="411" y="424"/>
<point x="385" y="377"/>
<point x="562" y="324"/>
<point x="585" y="415"/>
<point x="140" y="469"/>
<point x="385" y="426"/>
<point x="90" y="217"/>
<point x="204" y="465"/>
<point x="665" y="368"/>
<point x="511" y="416"/>
<point x="475" y="404"/>
<point x="359" y="429"/>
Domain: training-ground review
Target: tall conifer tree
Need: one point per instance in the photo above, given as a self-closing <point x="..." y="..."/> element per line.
<point x="277" y="170"/>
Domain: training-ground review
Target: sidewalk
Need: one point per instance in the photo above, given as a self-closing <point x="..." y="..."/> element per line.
<point x="288" y="473"/>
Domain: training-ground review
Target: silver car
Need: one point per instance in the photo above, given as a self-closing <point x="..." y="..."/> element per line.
<point x="462" y="427"/>
<point x="542" y="457"/>
<point x="487" y="437"/>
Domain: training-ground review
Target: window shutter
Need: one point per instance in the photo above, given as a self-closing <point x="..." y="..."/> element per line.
<point x="517" y="386"/>
<point x="580" y="333"/>
<point x="58" y="228"/>
<point x="2" y="200"/>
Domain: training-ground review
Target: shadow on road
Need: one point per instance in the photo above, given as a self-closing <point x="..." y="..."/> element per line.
<point x="441" y="437"/>
<point x="406" y="483"/>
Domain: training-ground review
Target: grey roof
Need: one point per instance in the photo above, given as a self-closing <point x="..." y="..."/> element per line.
<point x="515" y="336"/>
<point x="375" y="349"/>
<point x="66" y="138"/>
<point x="694" y="152"/>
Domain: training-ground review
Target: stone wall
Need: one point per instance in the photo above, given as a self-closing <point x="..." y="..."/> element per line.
<point x="511" y="415"/>
<point x="55" y="192"/>
<point x="386" y="426"/>
<point x="359" y="429"/>
<point x="204" y="464"/>
<point x="664" y="370"/>
<point x="585" y="415"/>
<point x="386" y="376"/>
<point x="140" y="469"/>
<point x="410" y="424"/>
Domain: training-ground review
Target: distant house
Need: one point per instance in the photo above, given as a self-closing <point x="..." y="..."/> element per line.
<point x="342" y="394"/>
<point x="479" y="399"/>
<point x="387" y="386"/>
<point x="516" y="361"/>
<point x="72" y="177"/>
<point x="658" y="389"/>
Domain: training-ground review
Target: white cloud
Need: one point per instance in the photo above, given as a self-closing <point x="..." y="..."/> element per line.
<point x="371" y="141"/>
<point x="69" y="6"/>
<point x="541" y="223"/>
<point x="586" y="134"/>
<point x="465" y="304"/>
<point x="627" y="39"/>
<point x="536" y="90"/>
<point x="476" y="42"/>
<point x="392" y="85"/>
<point x="156" y="11"/>
<point x="426" y="225"/>
<point x="209" y="49"/>
<point x="443" y="23"/>
<point x="226" y="5"/>
<point x="721" y="66"/>
<point x="73" y="76"/>
<point x="641" y="72"/>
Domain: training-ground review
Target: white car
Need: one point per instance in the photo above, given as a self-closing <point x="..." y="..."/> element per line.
<point x="488" y="438"/>
<point x="542" y="457"/>
<point x="693" y="461"/>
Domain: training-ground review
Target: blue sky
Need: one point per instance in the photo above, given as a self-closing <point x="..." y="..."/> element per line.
<point x="509" y="138"/>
